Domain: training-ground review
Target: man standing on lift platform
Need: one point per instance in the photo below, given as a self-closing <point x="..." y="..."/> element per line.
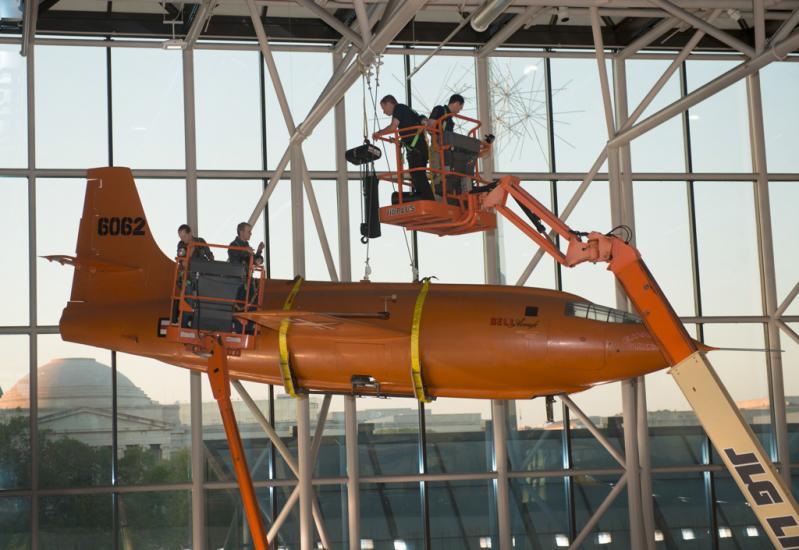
<point x="453" y="106"/>
<point x="415" y="143"/>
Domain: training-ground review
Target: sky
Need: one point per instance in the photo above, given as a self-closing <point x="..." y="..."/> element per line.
<point x="147" y="120"/>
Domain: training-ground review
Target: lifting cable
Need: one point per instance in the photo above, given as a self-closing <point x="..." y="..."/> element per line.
<point x="366" y="81"/>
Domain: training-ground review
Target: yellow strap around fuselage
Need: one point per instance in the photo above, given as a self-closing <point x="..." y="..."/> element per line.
<point x="285" y="365"/>
<point x="416" y="365"/>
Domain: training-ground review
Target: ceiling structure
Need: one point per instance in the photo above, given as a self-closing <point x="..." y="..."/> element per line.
<point x="524" y="24"/>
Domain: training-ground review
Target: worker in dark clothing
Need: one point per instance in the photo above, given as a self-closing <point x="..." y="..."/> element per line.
<point x="186" y="238"/>
<point x="243" y="234"/>
<point x="415" y="143"/>
<point x="198" y="252"/>
<point x="454" y="106"/>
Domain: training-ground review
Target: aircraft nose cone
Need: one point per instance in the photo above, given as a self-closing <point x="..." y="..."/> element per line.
<point x="631" y="351"/>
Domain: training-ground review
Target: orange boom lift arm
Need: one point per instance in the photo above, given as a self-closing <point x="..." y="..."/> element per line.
<point x="767" y="493"/>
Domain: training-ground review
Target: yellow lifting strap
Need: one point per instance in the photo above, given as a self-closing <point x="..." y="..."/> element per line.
<point x="416" y="365"/>
<point x="285" y="365"/>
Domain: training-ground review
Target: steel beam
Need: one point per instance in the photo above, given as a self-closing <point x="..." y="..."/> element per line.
<point x="29" y="26"/>
<point x="363" y="21"/>
<point x="438" y="48"/>
<point x="591" y="427"/>
<point x="599" y="46"/>
<point x="714" y="86"/>
<point x="499" y="419"/>
<point x="789" y="331"/>
<point x="353" y="473"/>
<point x="768" y="271"/>
<point x="700" y="24"/>
<point x="342" y="191"/>
<point x="330" y="19"/>
<point x="759" y="12"/>
<point x="304" y="452"/>
<point x="787" y="301"/>
<point x="384" y="35"/>
<point x="600" y="511"/>
<point x="199" y="21"/>
<point x="661" y="28"/>
<point x="518" y="21"/>
<point x="274" y="75"/>
<point x="785" y="29"/>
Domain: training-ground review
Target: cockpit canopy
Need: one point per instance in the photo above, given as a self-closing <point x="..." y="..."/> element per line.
<point x="594" y="312"/>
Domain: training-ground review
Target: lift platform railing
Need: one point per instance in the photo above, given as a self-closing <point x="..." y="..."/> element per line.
<point x="455" y="209"/>
<point x="207" y="294"/>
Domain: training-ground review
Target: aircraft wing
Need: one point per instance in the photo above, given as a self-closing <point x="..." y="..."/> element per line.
<point x="332" y="325"/>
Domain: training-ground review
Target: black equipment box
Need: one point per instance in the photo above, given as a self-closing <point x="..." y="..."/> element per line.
<point x="363" y="154"/>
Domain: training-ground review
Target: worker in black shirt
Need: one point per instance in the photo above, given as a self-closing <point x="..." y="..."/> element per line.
<point x="186" y="238"/>
<point x="243" y="234"/>
<point x="414" y="142"/>
<point x="454" y="106"/>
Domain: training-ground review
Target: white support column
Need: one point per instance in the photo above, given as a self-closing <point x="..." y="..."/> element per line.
<point x="353" y="472"/>
<point x="342" y="190"/>
<point x="195" y="380"/>
<point x="499" y="416"/>
<point x="492" y="252"/>
<point x="304" y="481"/>
<point x="297" y="214"/>
<point x="632" y="468"/>
<point x="767" y="272"/>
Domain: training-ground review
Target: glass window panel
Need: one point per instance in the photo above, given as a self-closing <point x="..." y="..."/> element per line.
<point x="148" y="112"/>
<point x="155" y="520"/>
<point x="719" y="125"/>
<point x="784" y="196"/>
<point x="441" y="77"/>
<point x="743" y="373"/>
<point x="388" y="437"/>
<point x="280" y="245"/>
<point x="675" y="436"/>
<point x="580" y="129"/>
<point x="222" y="205"/>
<point x="592" y="282"/>
<point x="154" y="441"/>
<point x="15" y="523"/>
<point x="661" y="149"/>
<point x="59" y="206"/>
<point x="74" y="399"/>
<point x="613" y="530"/>
<point x="315" y="264"/>
<point x="218" y="461"/>
<point x="389" y="255"/>
<point x="729" y="275"/>
<point x="228" y="110"/>
<point x="360" y="97"/>
<point x="681" y="510"/>
<point x="519" y="114"/>
<point x="71" y="107"/>
<point x="303" y="76"/>
<point x="517" y="249"/>
<point x="76" y="521"/>
<point x="462" y="514"/>
<point x="538" y="513"/>
<point x="459" y="437"/>
<point x="15" y="450"/>
<point x="164" y="204"/>
<point x="14" y="268"/>
<point x="533" y="443"/>
<point x="226" y="524"/>
<point x="13" y="108"/>
<point x="452" y="259"/>
<point x="734" y="512"/>
<point x="780" y="115"/>
<point x="391" y="515"/>
<point x="603" y="406"/>
<point x="662" y="234"/>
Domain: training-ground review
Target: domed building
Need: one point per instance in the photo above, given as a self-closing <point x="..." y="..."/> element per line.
<point x="74" y="396"/>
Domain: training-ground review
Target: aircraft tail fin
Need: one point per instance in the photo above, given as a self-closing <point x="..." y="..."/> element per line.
<point x="117" y="259"/>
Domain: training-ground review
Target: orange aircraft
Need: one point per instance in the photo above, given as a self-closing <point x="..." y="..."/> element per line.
<point x="478" y="341"/>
